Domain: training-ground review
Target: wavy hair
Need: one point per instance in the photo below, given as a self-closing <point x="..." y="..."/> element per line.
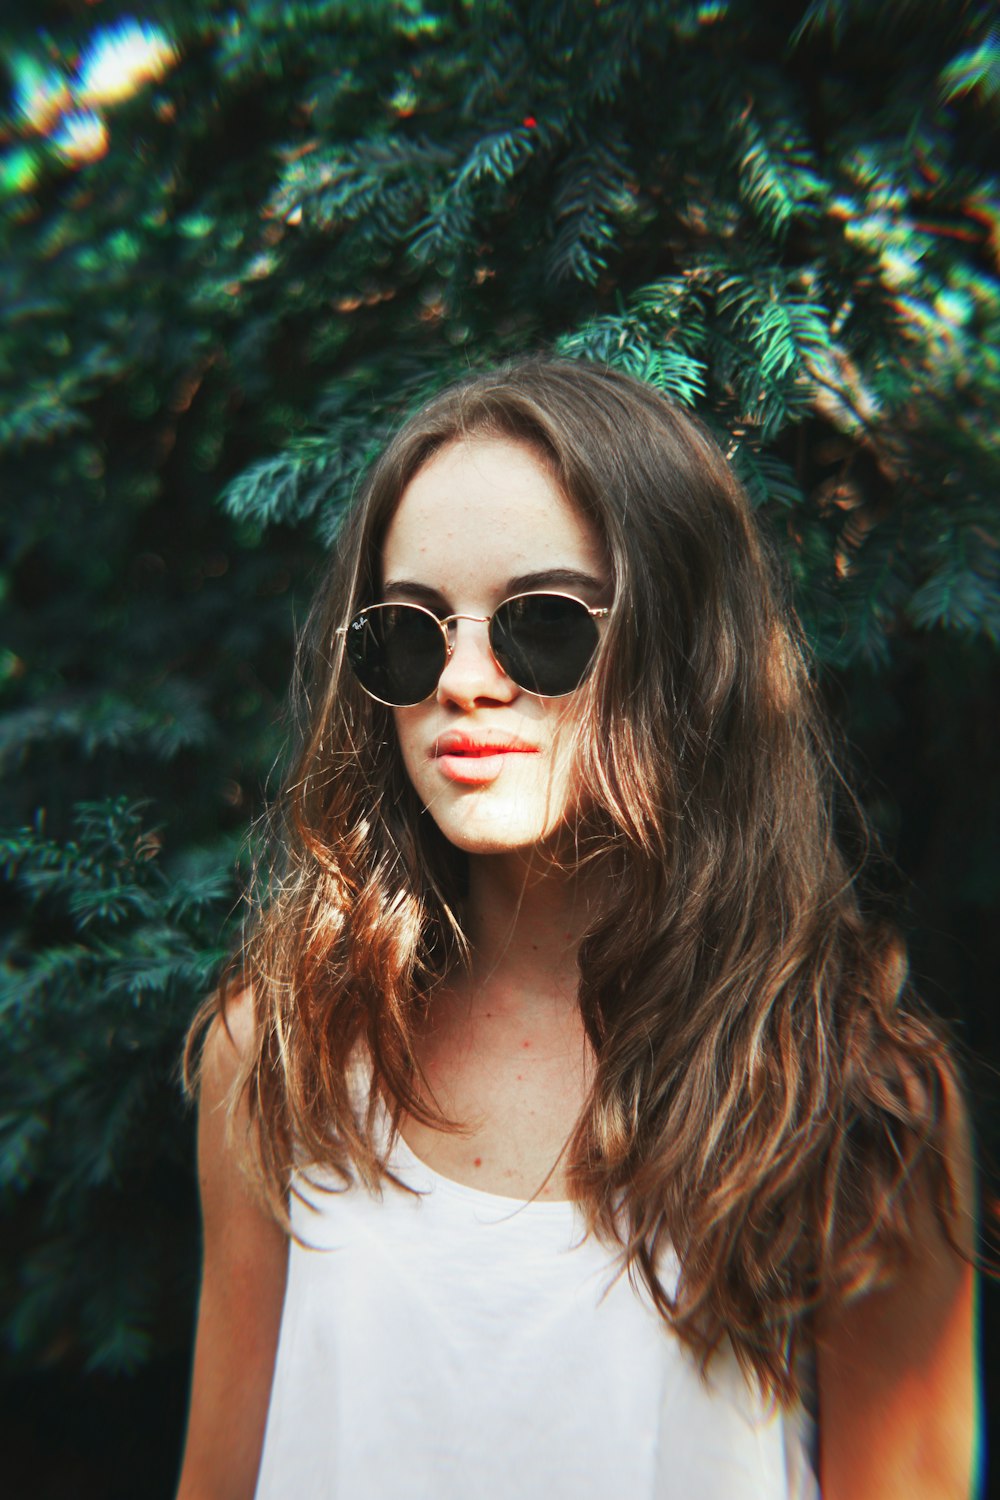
<point x="767" y="1087"/>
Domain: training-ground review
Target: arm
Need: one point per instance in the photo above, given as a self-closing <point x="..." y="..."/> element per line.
<point x="242" y="1291"/>
<point x="898" y="1398"/>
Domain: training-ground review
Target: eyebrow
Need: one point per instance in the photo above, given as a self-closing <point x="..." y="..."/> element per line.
<point x="522" y="583"/>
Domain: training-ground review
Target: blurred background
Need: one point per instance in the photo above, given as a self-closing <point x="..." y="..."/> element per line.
<point x="238" y="241"/>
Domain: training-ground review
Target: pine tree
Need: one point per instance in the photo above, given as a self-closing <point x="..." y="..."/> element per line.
<point x="239" y="242"/>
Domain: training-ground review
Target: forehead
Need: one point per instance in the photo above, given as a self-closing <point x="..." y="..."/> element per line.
<point x="482" y="511"/>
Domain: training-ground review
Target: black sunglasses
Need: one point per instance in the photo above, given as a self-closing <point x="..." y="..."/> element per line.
<point x="543" y="642"/>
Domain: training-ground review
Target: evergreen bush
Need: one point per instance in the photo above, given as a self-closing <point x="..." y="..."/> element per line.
<point x="238" y="243"/>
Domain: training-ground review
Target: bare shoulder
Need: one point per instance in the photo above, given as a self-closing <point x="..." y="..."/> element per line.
<point x="243" y="1281"/>
<point x="222" y="1113"/>
<point x="897" y="1368"/>
<point x="228" y="1044"/>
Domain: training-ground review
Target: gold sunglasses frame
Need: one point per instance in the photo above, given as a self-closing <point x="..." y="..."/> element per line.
<point x="443" y="621"/>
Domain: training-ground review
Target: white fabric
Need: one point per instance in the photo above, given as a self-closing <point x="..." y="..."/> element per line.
<point x="457" y="1345"/>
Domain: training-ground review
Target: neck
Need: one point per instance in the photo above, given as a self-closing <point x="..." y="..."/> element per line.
<point x="525" y="922"/>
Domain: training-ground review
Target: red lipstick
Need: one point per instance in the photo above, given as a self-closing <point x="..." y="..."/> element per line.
<point x="475" y="759"/>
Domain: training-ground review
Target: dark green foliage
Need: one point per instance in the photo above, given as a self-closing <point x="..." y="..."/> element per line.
<point x="90" y="1022"/>
<point x="786" y="217"/>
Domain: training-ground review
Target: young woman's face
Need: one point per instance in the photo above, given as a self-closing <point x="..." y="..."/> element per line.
<point x="481" y="521"/>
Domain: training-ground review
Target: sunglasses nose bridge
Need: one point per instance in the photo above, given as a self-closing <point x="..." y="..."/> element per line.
<point x="472" y="676"/>
<point x="449" y="625"/>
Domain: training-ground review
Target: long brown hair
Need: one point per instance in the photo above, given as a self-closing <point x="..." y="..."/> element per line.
<point x="767" y="1085"/>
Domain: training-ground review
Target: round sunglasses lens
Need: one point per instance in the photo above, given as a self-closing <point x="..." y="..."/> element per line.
<point x="397" y="653"/>
<point x="544" y="642"/>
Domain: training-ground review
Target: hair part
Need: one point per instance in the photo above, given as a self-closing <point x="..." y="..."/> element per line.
<point x="768" y="1089"/>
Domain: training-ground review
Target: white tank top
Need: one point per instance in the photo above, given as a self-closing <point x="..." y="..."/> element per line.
<point x="458" y="1345"/>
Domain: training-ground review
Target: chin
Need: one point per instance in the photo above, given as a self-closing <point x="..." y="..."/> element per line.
<point x="496" y="835"/>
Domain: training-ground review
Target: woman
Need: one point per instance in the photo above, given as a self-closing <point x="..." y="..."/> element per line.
<point x="618" y="1146"/>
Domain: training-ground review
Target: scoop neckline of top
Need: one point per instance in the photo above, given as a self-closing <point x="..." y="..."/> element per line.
<point x="551" y="1206"/>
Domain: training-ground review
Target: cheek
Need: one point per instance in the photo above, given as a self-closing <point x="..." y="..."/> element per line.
<point x="567" y="745"/>
<point x="406" y="722"/>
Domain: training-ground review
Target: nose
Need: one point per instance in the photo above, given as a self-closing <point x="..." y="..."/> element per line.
<point x="471" y="676"/>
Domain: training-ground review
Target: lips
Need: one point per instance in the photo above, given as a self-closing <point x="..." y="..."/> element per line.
<point x="474" y="760"/>
<point x="476" y="747"/>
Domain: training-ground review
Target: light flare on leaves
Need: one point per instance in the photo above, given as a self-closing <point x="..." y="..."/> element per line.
<point x="120" y="59"/>
<point x="40" y="94"/>
<point x="82" y="136"/>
